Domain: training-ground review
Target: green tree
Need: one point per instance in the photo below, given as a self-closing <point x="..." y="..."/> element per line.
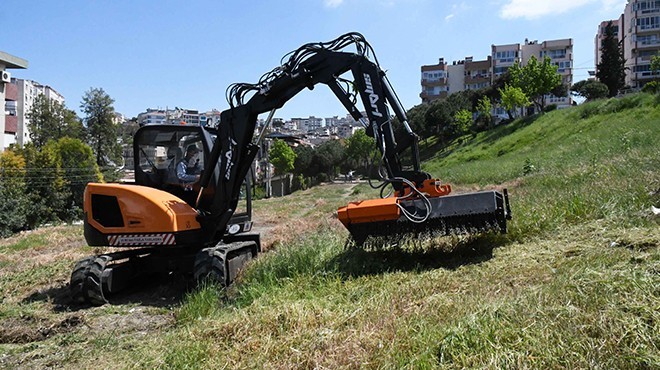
<point x="484" y="108"/>
<point x="327" y="158"/>
<point x="463" y="120"/>
<point x="512" y="98"/>
<point x="14" y="203"/>
<point x="281" y="156"/>
<point x="655" y="66"/>
<point x="45" y="184"/>
<point x="51" y="120"/>
<point x="590" y="89"/>
<point x="612" y="68"/>
<point x="78" y="169"/>
<point x="99" y="119"/>
<point x="536" y="79"/>
<point x="416" y="119"/>
<point x="360" y="148"/>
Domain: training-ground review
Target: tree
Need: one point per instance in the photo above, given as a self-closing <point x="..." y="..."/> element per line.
<point x="13" y="200"/>
<point x="327" y="158"/>
<point x="612" y="67"/>
<point x="51" y="120"/>
<point x="512" y="98"/>
<point x="590" y="89"/>
<point x="536" y="79"/>
<point x="304" y="155"/>
<point x="360" y="148"/>
<point x="281" y="156"/>
<point x="99" y="119"/>
<point x="45" y="184"/>
<point x="463" y="120"/>
<point x="416" y="120"/>
<point x="483" y="108"/>
<point x="78" y="169"/>
<point x="655" y="66"/>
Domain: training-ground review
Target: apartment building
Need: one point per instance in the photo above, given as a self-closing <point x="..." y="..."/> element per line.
<point x="638" y="30"/>
<point x="170" y="116"/>
<point x="560" y="53"/>
<point x="9" y="98"/>
<point x="435" y="81"/>
<point x="308" y="124"/>
<point x="27" y="92"/>
<point x="443" y="79"/>
<point x="641" y="39"/>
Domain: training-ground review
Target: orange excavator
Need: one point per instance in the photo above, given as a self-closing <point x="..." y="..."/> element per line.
<point x="192" y="213"/>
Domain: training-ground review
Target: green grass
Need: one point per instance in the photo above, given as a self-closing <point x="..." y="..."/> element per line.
<point x="573" y="285"/>
<point x="563" y="169"/>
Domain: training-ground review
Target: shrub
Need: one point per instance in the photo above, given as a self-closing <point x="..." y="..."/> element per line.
<point x="652" y="87"/>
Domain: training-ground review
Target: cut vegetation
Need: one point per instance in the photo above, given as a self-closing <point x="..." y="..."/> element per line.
<point x="575" y="283"/>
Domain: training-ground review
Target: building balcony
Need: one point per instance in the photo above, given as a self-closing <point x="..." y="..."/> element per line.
<point x="11" y="124"/>
<point x="438" y="82"/>
<point x="641" y="30"/>
<point x="11" y="91"/>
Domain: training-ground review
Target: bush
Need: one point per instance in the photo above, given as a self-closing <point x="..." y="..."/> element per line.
<point x="652" y="87"/>
<point x="13" y="200"/>
<point x="322" y="177"/>
<point x="550" y="107"/>
<point x="299" y="183"/>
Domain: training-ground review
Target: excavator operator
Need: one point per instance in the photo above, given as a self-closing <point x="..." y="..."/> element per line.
<point x="188" y="169"/>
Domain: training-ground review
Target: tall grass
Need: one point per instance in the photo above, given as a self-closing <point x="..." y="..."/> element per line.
<point x="597" y="161"/>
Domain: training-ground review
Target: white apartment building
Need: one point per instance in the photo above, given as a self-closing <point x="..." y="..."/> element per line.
<point x="444" y="79"/>
<point x="638" y="29"/>
<point x="641" y="39"/>
<point x="28" y="91"/>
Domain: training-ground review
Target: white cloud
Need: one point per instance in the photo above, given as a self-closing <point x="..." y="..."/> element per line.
<point x="533" y="9"/>
<point x="457" y="9"/>
<point x="332" y="3"/>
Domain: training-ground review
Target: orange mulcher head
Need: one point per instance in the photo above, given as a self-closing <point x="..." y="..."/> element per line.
<point x="426" y="211"/>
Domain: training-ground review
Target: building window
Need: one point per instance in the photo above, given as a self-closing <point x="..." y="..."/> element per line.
<point x="647" y="39"/>
<point x="648" y="23"/>
<point x="500" y="70"/>
<point x="434" y="76"/>
<point x="507" y="56"/>
<point x="563" y="65"/>
<point x="647" y="6"/>
<point x="554" y="54"/>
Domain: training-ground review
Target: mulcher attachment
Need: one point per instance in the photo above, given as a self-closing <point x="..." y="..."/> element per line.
<point x="395" y="218"/>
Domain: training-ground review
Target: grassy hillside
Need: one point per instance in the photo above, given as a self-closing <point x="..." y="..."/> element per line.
<point x="574" y="284"/>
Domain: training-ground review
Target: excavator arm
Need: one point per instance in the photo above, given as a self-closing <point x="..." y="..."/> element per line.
<point x="324" y="63"/>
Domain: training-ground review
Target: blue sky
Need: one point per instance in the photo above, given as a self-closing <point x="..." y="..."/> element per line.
<point x="165" y="53"/>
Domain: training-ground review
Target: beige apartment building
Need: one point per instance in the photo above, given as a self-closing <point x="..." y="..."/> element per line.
<point x="638" y="28"/>
<point x="443" y="79"/>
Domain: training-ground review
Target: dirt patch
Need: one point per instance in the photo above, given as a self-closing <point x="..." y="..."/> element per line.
<point x="137" y="319"/>
<point x="29" y="329"/>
